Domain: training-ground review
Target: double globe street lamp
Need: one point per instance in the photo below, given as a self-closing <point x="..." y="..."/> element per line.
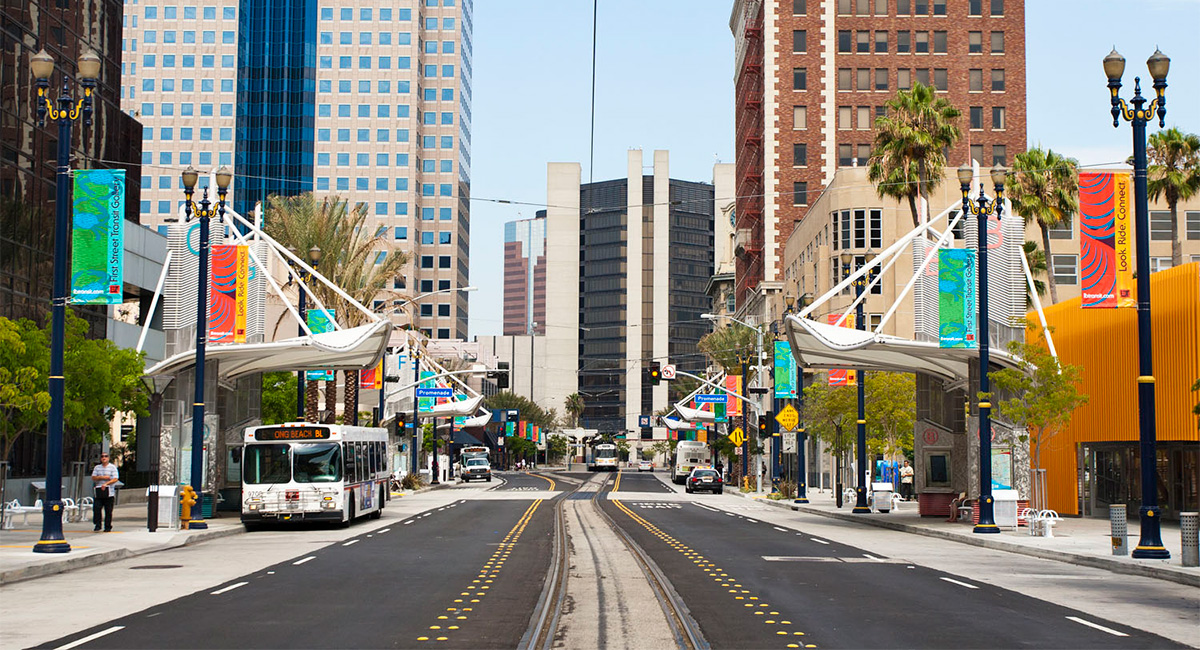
<point x="860" y="285"/>
<point x="68" y="110"/>
<point x="204" y="212"/>
<point x="1150" y="545"/>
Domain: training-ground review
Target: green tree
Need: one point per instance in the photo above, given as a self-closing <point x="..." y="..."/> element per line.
<point x="278" y="397"/>
<point x="1036" y="258"/>
<point x="727" y="346"/>
<point x="101" y="381"/>
<point x="357" y="256"/>
<point x="891" y="409"/>
<point x="1044" y="187"/>
<point x="908" y="156"/>
<point x="519" y="448"/>
<point x="556" y="446"/>
<point x="573" y="405"/>
<point x="530" y="412"/>
<point x="1041" y="395"/>
<point x="830" y="413"/>
<point x="1173" y="174"/>
<point x="24" y="362"/>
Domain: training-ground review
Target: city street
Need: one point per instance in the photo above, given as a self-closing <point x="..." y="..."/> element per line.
<point x="467" y="566"/>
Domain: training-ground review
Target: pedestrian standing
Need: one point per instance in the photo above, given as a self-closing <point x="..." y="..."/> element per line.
<point x="104" y="476"/>
<point x="906" y="482"/>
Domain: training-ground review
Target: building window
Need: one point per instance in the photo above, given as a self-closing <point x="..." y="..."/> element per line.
<point x="800" y="193"/>
<point x="876" y="229"/>
<point x="845" y="155"/>
<point x="864" y="155"/>
<point x="1065" y="268"/>
<point x="921" y="42"/>
<point x="843" y="8"/>
<point x="1160" y="226"/>
<point x="862" y="7"/>
<point x="1159" y="264"/>
<point x="902" y="7"/>
<point x="799" y="78"/>
<point x="799" y="41"/>
<point x="881" y="42"/>
<point x="881" y="79"/>
<point x="863" y="79"/>
<point x="974" y="7"/>
<point x="799" y="7"/>
<point x="975" y="80"/>
<point x="844" y="41"/>
<point x="844" y="118"/>
<point x="881" y="7"/>
<point x="997" y="42"/>
<point x="997" y="81"/>
<point x="997" y="7"/>
<point x="923" y="76"/>
<point x="939" y="7"/>
<point x="999" y="155"/>
<point x="977" y="153"/>
<point x="799" y="117"/>
<point x="903" y="79"/>
<point x="997" y="118"/>
<point x="862" y="42"/>
<point x="863" y="118"/>
<point x="939" y="42"/>
<point x="800" y="159"/>
<point x="443" y="261"/>
<point x="974" y="42"/>
<point x="1192" y="221"/>
<point x="1064" y="229"/>
<point x="976" y="113"/>
<point x="860" y="228"/>
<point x="845" y="79"/>
<point x="940" y="79"/>
<point x="903" y="42"/>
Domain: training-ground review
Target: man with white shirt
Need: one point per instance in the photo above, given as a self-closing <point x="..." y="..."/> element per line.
<point x="104" y="476"/>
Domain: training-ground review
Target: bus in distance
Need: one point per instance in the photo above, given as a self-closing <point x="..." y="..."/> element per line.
<point x="689" y="454"/>
<point x="602" y="456"/>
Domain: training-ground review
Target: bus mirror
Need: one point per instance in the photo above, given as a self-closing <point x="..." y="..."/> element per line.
<point x="235" y="454"/>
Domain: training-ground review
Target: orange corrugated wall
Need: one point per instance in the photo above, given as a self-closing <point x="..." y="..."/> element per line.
<point x="1104" y="343"/>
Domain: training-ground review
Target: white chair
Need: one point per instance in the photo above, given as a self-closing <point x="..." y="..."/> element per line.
<point x="896" y="499"/>
<point x="1049" y="519"/>
<point x="70" y="509"/>
<point x="14" y="507"/>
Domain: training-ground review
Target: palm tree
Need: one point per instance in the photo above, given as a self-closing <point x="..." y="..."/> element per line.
<point x="1173" y="174"/>
<point x="1044" y="187"/>
<point x="1037" y="266"/>
<point x="573" y="404"/>
<point x="726" y="346"/>
<point x="360" y="261"/>
<point x="908" y="155"/>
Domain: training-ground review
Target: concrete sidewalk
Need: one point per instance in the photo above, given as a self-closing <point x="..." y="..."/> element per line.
<point x="1077" y="540"/>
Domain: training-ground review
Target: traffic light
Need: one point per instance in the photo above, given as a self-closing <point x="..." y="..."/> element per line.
<point x="653" y="373"/>
<point x="502" y="375"/>
<point x="764" y="424"/>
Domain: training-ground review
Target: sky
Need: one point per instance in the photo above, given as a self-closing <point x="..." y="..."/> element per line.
<point x="664" y="80"/>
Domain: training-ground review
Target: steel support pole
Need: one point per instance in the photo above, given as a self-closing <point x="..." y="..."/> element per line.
<point x="300" y="373"/>
<point x="987" y="520"/>
<point x="197" y="478"/>
<point x="860" y="492"/>
<point x="745" y="427"/>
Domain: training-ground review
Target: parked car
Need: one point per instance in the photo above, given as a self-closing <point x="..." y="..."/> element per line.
<point x="704" y="478"/>
<point x="476" y="468"/>
<point x="645" y="466"/>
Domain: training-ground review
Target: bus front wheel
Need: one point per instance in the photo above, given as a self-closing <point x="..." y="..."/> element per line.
<point x="350" y="515"/>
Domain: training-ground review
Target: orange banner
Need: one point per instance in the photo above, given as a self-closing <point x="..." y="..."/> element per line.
<point x="842" y="377"/>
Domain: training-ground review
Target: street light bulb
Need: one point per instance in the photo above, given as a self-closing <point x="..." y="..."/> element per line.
<point x="708" y="316"/>
<point x="89" y="65"/>
<point x="999" y="174"/>
<point x="189" y="178"/>
<point x="965" y="173"/>
<point x="224" y="177"/>
<point x="847" y="257"/>
<point x="42" y="65"/>
<point x="1159" y="64"/>
<point x="1114" y="65"/>
<point x="314" y="254"/>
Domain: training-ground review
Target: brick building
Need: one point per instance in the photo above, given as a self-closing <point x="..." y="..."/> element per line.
<point x="811" y="76"/>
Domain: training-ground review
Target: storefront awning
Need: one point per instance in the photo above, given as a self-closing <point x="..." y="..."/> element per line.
<point x="349" y="349"/>
<point x="822" y="346"/>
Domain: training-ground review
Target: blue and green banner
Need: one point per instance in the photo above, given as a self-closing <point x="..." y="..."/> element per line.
<point x="425" y="404"/>
<point x="957" y="305"/>
<point x="785" y="371"/>
<point x="319" y="322"/>
<point x="98" y="237"/>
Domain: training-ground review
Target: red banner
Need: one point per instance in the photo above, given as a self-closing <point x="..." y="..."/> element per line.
<point x="842" y="377"/>
<point x="227" y="309"/>
<point x="371" y="378"/>
<point x="1106" y="262"/>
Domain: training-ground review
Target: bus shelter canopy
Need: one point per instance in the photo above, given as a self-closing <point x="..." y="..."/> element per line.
<point x="822" y="346"/>
<point x="348" y="349"/>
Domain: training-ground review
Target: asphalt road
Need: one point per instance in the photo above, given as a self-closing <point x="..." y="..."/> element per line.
<point x="750" y="584"/>
<point x="467" y="575"/>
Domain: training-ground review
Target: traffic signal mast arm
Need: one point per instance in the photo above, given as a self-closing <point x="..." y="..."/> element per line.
<point x="438" y="376"/>
<point x="702" y="380"/>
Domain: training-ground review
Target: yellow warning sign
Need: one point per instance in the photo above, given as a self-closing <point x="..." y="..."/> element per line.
<point x="737" y="437"/>
<point x="788" y="418"/>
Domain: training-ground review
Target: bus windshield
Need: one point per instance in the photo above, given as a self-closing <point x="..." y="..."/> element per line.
<point x="606" y="453"/>
<point x="317" y="462"/>
<point x="266" y="464"/>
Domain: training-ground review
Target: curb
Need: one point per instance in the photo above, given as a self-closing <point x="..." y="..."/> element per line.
<point x="1147" y="570"/>
<point x="95" y="559"/>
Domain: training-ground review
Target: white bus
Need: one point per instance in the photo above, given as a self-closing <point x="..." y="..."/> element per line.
<point x="689" y="454"/>
<point x="602" y="456"/>
<point x="313" y="472"/>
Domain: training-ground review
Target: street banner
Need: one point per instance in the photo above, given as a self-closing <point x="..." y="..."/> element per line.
<point x="841" y="377"/>
<point x="227" y="310"/>
<point x="1106" y="262"/>
<point x="956" y="298"/>
<point x="98" y="237"/>
<point x="785" y="371"/>
<point x="426" y="403"/>
<point x="319" y="322"/>
<point x="510" y="429"/>
<point x="371" y="378"/>
<point x="733" y="405"/>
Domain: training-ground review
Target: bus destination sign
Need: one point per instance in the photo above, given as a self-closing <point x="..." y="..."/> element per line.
<point x="291" y="433"/>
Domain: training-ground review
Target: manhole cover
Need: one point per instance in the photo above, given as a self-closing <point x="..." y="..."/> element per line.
<point x="157" y="566"/>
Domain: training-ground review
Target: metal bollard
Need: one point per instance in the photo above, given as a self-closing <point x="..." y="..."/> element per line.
<point x="1189" y="529"/>
<point x="1120" y="534"/>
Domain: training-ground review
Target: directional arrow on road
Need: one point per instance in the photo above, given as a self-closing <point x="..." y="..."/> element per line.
<point x="737" y="437"/>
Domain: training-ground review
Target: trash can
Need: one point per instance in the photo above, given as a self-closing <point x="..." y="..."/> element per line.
<point x="168" y="506"/>
<point x="881" y="494"/>
<point x="1004" y="508"/>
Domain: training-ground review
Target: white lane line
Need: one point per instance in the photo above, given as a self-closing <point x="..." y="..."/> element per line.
<point x="872" y="557"/>
<point x="782" y="530"/>
<point x="353" y="541"/>
<point x="303" y="560"/>
<point x="229" y="588"/>
<point x="711" y="509"/>
<point x="442" y="508"/>
<point x="819" y="541"/>
<point x="961" y="584"/>
<point x="409" y="522"/>
<point x="91" y="637"/>
<point x="730" y="514"/>
<point x="384" y="531"/>
<point x="1098" y="627"/>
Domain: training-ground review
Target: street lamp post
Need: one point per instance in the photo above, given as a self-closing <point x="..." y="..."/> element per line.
<point x="801" y="431"/>
<point x="1150" y="545"/>
<point x="314" y="256"/>
<point x="983" y="208"/>
<point x="745" y="371"/>
<point x="205" y="213"/>
<point x="311" y="398"/>
<point x="860" y="492"/>
<point x="52" y="540"/>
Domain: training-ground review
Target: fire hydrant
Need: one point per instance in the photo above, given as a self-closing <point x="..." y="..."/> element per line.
<point x="187" y="498"/>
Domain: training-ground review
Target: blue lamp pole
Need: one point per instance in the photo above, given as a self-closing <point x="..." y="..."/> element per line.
<point x="1150" y="545"/>
<point x="860" y="492"/>
<point x="982" y="209"/>
<point x="205" y="213"/>
<point x="68" y="111"/>
<point x="802" y="431"/>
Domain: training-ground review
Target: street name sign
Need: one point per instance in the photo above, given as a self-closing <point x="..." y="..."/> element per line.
<point x="737" y="437"/>
<point x="435" y="392"/>
<point x="709" y="399"/>
<point x="788" y="418"/>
